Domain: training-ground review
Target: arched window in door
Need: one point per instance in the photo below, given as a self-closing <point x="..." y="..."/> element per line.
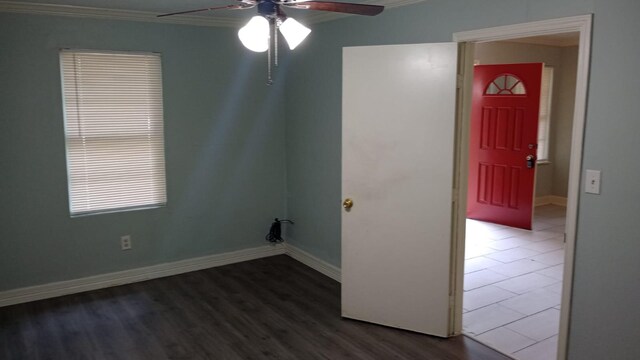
<point x="505" y="84"/>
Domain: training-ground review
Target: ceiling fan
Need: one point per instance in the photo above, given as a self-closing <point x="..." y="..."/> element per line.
<point x="256" y="35"/>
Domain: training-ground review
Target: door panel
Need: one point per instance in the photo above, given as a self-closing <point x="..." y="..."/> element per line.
<point x="397" y="167"/>
<point x="504" y="132"/>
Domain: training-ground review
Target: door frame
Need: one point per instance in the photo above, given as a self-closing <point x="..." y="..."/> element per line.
<point x="466" y="40"/>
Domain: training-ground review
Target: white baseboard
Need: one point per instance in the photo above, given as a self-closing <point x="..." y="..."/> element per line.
<point x="313" y="262"/>
<point x="46" y="291"/>
<point x="551" y="200"/>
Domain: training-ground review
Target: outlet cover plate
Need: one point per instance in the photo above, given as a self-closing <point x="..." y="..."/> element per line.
<point x="125" y="242"/>
<point x="592" y="182"/>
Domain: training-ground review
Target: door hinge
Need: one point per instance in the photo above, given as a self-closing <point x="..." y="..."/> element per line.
<point x="459" y="81"/>
<point x="454" y="196"/>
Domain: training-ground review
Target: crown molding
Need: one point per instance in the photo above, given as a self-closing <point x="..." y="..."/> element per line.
<point x="147" y="16"/>
<point x="111" y="14"/>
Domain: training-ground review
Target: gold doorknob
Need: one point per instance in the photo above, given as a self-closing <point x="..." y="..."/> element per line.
<point x="347" y="204"/>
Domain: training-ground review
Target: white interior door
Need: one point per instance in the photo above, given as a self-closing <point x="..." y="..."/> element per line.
<point x="398" y="124"/>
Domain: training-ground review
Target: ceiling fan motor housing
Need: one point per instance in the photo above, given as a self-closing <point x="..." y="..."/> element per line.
<point x="269" y="9"/>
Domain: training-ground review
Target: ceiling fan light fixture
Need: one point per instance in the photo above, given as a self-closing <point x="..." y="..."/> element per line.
<point x="294" y="32"/>
<point x="255" y="35"/>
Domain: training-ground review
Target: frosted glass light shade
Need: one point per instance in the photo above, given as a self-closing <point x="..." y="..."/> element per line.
<point x="294" y="32"/>
<point x="255" y="35"/>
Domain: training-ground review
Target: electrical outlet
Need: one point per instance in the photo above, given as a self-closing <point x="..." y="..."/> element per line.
<point x="125" y="242"/>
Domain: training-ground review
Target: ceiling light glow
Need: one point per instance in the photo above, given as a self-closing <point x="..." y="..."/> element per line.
<point x="255" y="35"/>
<point x="294" y="32"/>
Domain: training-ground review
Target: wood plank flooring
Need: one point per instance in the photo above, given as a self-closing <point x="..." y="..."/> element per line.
<point x="272" y="308"/>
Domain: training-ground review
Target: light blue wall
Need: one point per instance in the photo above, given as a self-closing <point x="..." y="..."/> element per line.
<point x="604" y="323"/>
<point x="224" y="137"/>
<point x="225" y="144"/>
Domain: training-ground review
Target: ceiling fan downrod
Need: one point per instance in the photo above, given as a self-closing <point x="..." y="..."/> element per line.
<point x="274" y="14"/>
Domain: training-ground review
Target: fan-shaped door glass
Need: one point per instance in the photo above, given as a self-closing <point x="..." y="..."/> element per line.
<point x="505" y="84"/>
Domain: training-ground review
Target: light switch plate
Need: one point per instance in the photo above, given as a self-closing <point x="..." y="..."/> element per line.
<point x="592" y="182"/>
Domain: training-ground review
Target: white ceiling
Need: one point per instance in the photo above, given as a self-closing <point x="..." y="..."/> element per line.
<point x="146" y="10"/>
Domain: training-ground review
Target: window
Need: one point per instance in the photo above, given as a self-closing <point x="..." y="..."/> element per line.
<point x="544" y="118"/>
<point x="506" y="85"/>
<point x="114" y="130"/>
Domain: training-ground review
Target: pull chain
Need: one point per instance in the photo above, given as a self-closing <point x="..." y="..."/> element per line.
<point x="269" y="79"/>
<point x="275" y="40"/>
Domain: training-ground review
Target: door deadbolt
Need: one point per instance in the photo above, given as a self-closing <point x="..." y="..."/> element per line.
<point x="347" y="204"/>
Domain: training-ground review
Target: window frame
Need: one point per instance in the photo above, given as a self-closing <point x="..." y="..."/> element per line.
<point x="154" y="134"/>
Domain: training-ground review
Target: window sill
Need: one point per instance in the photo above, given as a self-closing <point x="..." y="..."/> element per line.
<point x="118" y="210"/>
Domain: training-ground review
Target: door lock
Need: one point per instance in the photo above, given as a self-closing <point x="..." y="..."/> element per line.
<point x="531" y="161"/>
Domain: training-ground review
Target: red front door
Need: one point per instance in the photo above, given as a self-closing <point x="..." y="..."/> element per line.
<point x="503" y="142"/>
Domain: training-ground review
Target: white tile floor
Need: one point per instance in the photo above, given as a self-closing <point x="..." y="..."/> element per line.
<point x="513" y="285"/>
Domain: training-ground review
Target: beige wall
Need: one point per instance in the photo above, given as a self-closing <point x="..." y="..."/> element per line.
<point x="561" y="125"/>
<point x="552" y="178"/>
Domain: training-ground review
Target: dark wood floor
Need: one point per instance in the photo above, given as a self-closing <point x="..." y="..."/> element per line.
<point x="273" y="308"/>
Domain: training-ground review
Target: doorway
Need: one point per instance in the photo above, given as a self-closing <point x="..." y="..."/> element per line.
<point x="514" y="250"/>
<point x="448" y="215"/>
<point x="513" y="277"/>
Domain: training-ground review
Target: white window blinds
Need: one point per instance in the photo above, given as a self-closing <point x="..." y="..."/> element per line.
<point x="114" y="130"/>
<point x="546" y="90"/>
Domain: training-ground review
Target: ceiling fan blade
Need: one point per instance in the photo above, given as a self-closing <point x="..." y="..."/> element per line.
<point x="349" y="8"/>
<point x="226" y="7"/>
